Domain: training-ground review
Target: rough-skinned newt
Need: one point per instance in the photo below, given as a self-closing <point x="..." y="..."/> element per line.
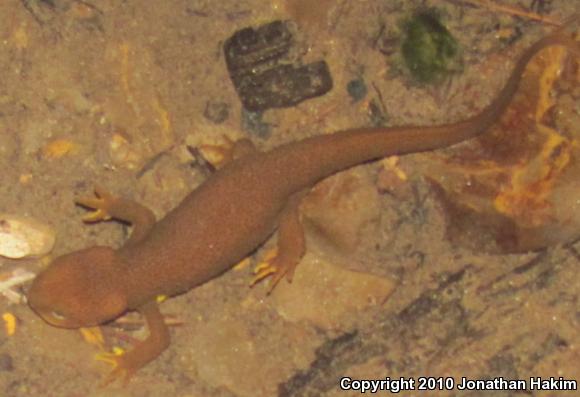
<point x="224" y="220"/>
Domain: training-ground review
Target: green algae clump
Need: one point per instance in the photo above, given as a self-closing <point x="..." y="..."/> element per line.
<point x="429" y="50"/>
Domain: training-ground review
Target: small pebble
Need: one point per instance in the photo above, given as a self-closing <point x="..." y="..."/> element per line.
<point x="122" y="153"/>
<point x="216" y="112"/>
<point x="21" y="237"/>
<point x="58" y="148"/>
<point x="252" y="123"/>
<point x="6" y="362"/>
<point x="357" y="89"/>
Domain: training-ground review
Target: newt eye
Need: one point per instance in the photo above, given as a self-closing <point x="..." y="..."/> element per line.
<point x="57" y="315"/>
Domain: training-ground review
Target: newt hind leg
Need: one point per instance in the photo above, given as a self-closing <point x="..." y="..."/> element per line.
<point x="291" y="246"/>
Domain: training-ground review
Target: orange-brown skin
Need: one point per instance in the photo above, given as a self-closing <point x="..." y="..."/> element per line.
<point x="221" y="222"/>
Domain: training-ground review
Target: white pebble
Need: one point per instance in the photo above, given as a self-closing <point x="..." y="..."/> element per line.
<point x="22" y="236"/>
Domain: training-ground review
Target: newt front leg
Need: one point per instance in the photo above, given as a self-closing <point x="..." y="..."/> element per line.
<point x="107" y="206"/>
<point x="291" y="246"/>
<point x="125" y="365"/>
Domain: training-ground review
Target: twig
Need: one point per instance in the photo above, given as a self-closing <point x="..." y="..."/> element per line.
<point x="511" y="10"/>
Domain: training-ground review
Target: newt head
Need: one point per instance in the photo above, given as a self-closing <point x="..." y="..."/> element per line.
<point x="79" y="289"/>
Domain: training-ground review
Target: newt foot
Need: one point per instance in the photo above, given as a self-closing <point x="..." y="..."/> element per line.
<point x="100" y="204"/>
<point x="122" y="369"/>
<point x="276" y="266"/>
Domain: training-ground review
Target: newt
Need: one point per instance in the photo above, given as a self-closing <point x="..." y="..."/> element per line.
<point x="222" y="221"/>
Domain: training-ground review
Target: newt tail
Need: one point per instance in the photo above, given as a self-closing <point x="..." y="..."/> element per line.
<point x="348" y="148"/>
